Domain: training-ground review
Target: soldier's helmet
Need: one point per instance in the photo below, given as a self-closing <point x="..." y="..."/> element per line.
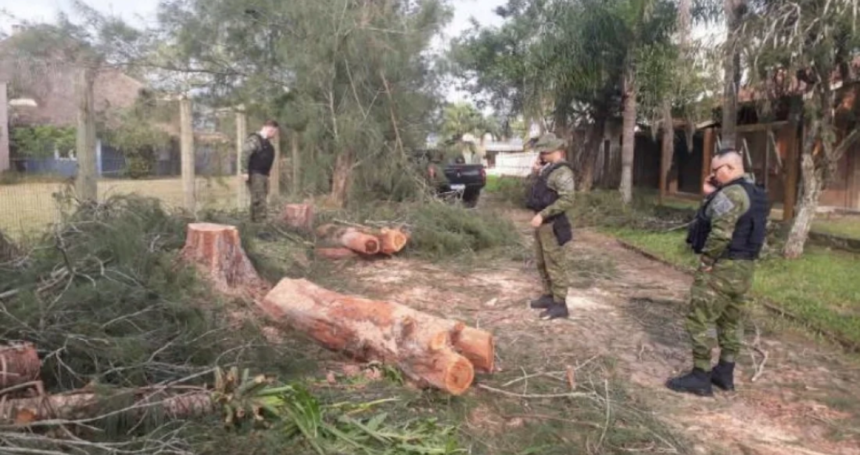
<point x="548" y="143"/>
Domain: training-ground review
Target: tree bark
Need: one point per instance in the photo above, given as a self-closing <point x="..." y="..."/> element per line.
<point x="331" y="236"/>
<point x="667" y="149"/>
<point x="19" y="364"/>
<point x="84" y="405"/>
<point x="592" y="151"/>
<point x="217" y="251"/>
<point x="186" y="128"/>
<point x="629" y="135"/>
<point x="422" y="346"/>
<point x="341" y="178"/>
<point x="732" y="74"/>
<point x="810" y="190"/>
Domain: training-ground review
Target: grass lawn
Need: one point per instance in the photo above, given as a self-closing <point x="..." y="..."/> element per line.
<point x="845" y="226"/>
<point x="821" y="287"/>
<point x="29" y="207"/>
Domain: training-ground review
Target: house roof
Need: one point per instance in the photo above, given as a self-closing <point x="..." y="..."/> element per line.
<point x="49" y="81"/>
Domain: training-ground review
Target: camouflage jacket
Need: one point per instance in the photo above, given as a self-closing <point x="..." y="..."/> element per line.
<point x="728" y="205"/>
<point x="562" y="182"/>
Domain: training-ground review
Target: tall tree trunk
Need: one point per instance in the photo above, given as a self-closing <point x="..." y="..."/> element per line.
<point x="667" y="149"/>
<point x="591" y="152"/>
<point x="628" y="135"/>
<point x="732" y="74"/>
<point x="812" y="183"/>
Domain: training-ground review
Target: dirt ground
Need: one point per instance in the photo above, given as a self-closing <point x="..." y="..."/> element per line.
<point x="628" y="310"/>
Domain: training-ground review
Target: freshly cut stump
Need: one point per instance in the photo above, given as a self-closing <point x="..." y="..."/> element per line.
<point x="19" y="363"/>
<point x="299" y="216"/>
<point x="217" y="250"/>
<point x="418" y="343"/>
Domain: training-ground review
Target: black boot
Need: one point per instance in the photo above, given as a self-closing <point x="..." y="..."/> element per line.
<point x="723" y="376"/>
<point x="557" y="310"/>
<point x="545" y="301"/>
<point x="697" y="382"/>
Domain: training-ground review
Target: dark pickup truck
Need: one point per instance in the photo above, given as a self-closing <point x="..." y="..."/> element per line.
<point x="467" y="180"/>
<point x="464" y="181"/>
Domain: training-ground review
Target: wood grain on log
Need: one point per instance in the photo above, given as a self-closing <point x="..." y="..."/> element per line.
<point x="19" y="363"/>
<point x="418" y="343"/>
<point x="477" y="346"/>
<point x="217" y="249"/>
<point x="331" y="236"/>
<point x="393" y="240"/>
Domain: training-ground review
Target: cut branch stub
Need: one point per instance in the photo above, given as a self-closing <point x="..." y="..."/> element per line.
<point x="417" y="343"/>
<point x="217" y="249"/>
<point x="19" y="364"/>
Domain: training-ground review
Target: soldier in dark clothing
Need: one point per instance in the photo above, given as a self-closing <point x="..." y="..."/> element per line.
<point x="728" y="233"/>
<point x="258" y="156"/>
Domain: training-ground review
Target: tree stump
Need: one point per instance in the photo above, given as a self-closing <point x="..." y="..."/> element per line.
<point x="418" y="343"/>
<point x="299" y="216"/>
<point x="19" y="364"/>
<point x="217" y="251"/>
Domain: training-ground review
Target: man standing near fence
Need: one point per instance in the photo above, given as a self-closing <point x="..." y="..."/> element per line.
<point x="258" y="156"/>
<point x="551" y="198"/>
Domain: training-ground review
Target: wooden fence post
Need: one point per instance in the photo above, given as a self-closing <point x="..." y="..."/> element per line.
<point x="187" y="151"/>
<point x="86" y="185"/>
<point x="241" y="135"/>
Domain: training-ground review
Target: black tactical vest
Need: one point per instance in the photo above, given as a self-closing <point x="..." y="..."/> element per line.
<point x="750" y="231"/>
<point x="542" y="196"/>
<point x="260" y="162"/>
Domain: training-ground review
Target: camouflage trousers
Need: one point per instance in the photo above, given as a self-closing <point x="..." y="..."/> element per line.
<point x="551" y="260"/>
<point x="718" y="298"/>
<point x="258" y="186"/>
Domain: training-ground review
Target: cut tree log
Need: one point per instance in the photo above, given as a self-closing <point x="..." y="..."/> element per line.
<point x="393" y="240"/>
<point x="19" y="364"/>
<point x="217" y="250"/>
<point x="332" y="236"/>
<point x="477" y="346"/>
<point x="418" y="343"/>
<point x="85" y="405"/>
<point x="299" y="216"/>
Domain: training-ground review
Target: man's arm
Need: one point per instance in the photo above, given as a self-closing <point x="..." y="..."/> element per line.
<point x="561" y="180"/>
<point x="725" y="209"/>
<point x="251" y="145"/>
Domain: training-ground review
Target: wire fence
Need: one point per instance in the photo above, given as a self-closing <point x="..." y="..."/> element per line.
<point x="31" y="193"/>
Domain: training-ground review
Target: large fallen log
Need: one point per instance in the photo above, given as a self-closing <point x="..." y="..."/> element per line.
<point x="421" y="345"/>
<point x="217" y="250"/>
<point x="19" y="364"/>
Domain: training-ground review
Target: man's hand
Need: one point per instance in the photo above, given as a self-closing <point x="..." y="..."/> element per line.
<point x="537" y="221"/>
<point x="536" y="166"/>
<point x="244" y="177"/>
<point x="705" y="264"/>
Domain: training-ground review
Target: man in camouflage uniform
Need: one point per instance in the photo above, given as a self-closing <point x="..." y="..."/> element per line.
<point x="436" y="177"/>
<point x="551" y="197"/>
<point x="258" y="155"/>
<point x="735" y="219"/>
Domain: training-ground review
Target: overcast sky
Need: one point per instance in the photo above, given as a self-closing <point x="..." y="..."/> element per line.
<point x="141" y="12"/>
